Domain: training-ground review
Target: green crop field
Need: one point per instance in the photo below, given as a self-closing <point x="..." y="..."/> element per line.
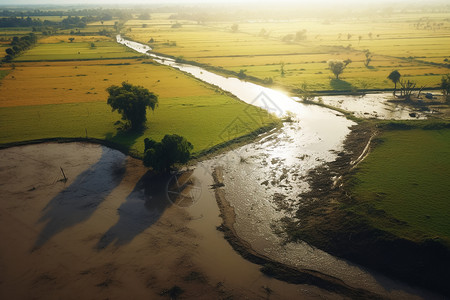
<point x="205" y="121"/>
<point x="419" y="52"/>
<point x="50" y="18"/>
<point x="77" y="51"/>
<point x="406" y="176"/>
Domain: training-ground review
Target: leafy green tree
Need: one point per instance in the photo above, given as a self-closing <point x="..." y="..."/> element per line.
<point x="171" y="150"/>
<point x="337" y="67"/>
<point x="18" y="45"/>
<point x="131" y="102"/>
<point x="10" y="51"/>
<point x="395" y="78"/>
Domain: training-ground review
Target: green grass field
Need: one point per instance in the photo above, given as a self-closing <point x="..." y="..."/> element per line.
<point x="407" y="176"/>
<point x="395" y="43"/>
<point x="50" y="18"/>
<point x="186" y="116"/>
<point x="3" y="73"/>
<point x="77" y="51"/>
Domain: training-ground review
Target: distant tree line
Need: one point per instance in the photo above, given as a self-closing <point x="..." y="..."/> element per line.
<point x="66" y="23"/>
<point x="23" y="22"/>
<point x="32" y="13"/>
<point x="97" y="13"/>
<point x="18" y="45"/>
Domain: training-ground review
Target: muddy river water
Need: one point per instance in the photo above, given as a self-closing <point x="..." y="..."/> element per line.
<point x="275" y="167"/>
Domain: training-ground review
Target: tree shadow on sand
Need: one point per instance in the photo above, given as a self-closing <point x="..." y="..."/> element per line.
<point x="79" y="201"/>
<point x="338" y="84"/>
<point x="141" y="209"/>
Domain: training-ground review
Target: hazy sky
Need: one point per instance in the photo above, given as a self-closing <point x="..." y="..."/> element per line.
<point x="124" y="3"/>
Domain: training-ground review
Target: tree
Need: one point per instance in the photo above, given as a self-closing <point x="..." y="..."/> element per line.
<point x="288" y="38"/>
<point x="71" y="39"/>
<point x="18" y="45"/>
<point x="300" y="35"/>
<point x="305" y="93"/>
<point x="171" y="150"/>
<point x="10" y="52"/>
<point x="263" y="33"/>
<point x="235" y="27"/>
<point x="368" y="58"/>
<point x="445" y="86"/>
<point x="241" y="74"/>
<point x="395" y="78"/>
<point x="337" y="67"/>
<point x="407" y="89"/>
<point x="132" y="102"/>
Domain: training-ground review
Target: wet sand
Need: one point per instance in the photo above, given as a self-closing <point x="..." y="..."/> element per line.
<point x="109" y="232"/>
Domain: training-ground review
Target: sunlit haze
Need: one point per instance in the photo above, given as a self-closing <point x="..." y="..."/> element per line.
<point x="323" y="3"/>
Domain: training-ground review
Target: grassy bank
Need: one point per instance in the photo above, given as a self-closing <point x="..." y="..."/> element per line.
<point x="406" y="176"/>
<point x="391" y="212"/>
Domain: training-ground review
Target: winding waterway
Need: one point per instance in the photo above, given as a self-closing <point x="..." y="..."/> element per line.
<point x="257" y="175"/>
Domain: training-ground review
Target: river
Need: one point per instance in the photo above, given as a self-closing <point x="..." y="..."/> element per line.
<point x="259" y="173"/>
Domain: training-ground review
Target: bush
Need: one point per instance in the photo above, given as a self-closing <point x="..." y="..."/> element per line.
<point x="172" y="149"/>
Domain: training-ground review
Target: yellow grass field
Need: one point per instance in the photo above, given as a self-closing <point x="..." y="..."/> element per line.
<point x="86" y="81"/>
<point x="395" y="42"/>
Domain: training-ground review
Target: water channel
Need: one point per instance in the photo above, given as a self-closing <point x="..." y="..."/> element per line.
<point x="276" y="165"/>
